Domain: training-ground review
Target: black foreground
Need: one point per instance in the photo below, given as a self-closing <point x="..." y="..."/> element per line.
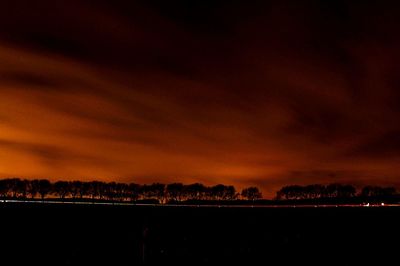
<point x="71" y="234"/>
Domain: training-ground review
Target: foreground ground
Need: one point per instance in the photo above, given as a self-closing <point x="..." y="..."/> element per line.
<point x="82" y="234"/>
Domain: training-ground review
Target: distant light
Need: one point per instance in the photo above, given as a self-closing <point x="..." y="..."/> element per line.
<point x="382" y="204"/>
<point x="367" y="205"/>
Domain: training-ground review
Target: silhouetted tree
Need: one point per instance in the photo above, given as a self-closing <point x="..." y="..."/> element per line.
<point x="389" y="191"/>
<point x="346" y="191"/>
<point x="159" y="191"/>
<point x="44" y="188"/>
<point x="110" y="190"/>
<point x="154" y="191"/>
<point x="33" y="188"/>
<point x="229" y="193"/>
<point x="4" y="187"/>
<point x="340" y="191"/>
<point x="18" y="187"/>
<point x="134" y="191"/>
<point x="291" y="192"/>
<point x="222" y="192"/>
<point x="75" y="188"/>
<point x="282" y="193"/>
<point x="175" y="191"/>
<point x="195" y="191"/>
<point x="251" y="193"/>
<point x="116" y="191"/>
<point x="374" y="191"/>
<point x="96" y="189"/>
<point x="332" y="190"/>
<point x="367" y="191"/>
<point x="316" y="191"/>
<point x="61" y="189"/>
<point x="218" y="192"/>
<point x="121" y="191"/>
<point x="85" y="190"/>
<point x="24" y="188"/>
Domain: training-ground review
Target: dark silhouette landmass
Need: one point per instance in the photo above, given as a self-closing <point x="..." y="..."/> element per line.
<point x="178" y="193"/>
<point x="43" y="189"/>
<point x="106" y="234"/>
<point x="135" y="234"/>
<point x="336" y="194"/>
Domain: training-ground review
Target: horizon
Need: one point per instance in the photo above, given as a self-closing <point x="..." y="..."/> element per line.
<point x="245" y="94"/>
<point x="18" y="188"/>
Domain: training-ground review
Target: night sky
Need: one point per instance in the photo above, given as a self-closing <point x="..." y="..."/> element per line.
<point x="243" y="93"/>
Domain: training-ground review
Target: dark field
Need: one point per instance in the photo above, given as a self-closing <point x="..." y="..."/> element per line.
<point x="62" y="234"/>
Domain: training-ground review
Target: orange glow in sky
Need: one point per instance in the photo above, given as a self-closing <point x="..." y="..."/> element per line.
<point x="107" y="97"/>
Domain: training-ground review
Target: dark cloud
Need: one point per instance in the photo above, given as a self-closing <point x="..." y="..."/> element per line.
<point x="384" y="146"/>
<point x="32" y="80"/>
<point x="50" y="155"/>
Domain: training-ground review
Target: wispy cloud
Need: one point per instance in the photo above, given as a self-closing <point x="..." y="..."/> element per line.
<point x="140" y="93"/>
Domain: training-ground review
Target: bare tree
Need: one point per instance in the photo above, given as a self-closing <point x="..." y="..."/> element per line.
<point x="251" y="193"/>
<point x="44" y="188"/>
<point x="175" y="191"/>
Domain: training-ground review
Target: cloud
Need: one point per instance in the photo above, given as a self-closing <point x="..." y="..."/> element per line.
<point x="265" y="94"/>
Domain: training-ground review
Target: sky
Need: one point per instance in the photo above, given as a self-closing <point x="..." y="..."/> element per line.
<point x="245" y="93"/>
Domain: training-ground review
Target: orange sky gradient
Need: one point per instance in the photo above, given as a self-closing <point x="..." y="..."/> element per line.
<point x="247" y="105"/>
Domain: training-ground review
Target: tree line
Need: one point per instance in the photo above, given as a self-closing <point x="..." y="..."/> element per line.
<point x="317" y="191"/>
<point x="16" y="188"/>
